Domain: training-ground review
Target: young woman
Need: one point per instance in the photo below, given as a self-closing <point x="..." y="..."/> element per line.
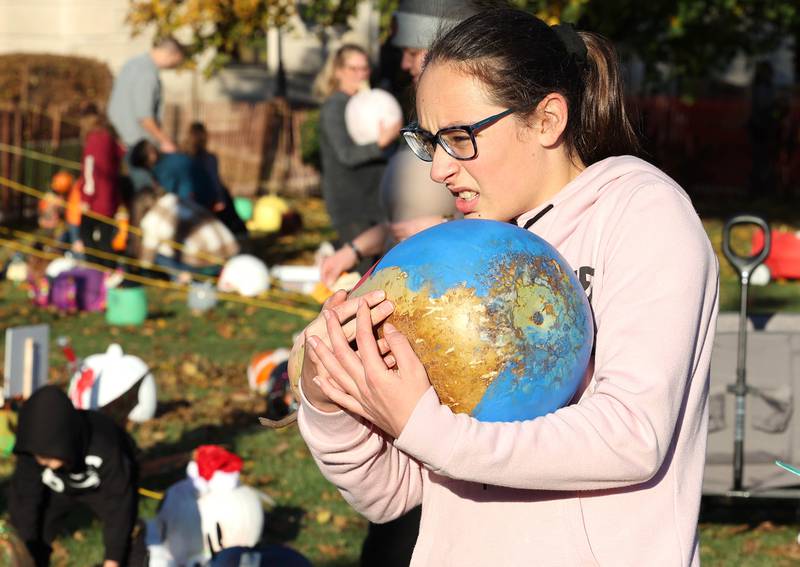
<point x="612" y="479"/>
<point x="351" y="172"/>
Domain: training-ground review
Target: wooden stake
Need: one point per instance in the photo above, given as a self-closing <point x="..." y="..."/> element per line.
<point x="27" y="369"/>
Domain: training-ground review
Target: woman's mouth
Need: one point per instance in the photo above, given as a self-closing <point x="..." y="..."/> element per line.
<point x="466" y="201"/>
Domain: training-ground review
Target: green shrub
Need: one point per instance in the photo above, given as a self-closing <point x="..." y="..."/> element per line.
<point x="309" y="139"/>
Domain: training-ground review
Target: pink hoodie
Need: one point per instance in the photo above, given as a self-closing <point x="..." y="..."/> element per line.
<point x="611" y="480"/>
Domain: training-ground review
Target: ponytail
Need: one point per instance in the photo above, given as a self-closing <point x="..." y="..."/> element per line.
<point x="605" y="127"/>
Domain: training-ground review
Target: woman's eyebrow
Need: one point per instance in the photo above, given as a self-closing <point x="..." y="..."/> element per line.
<point x="451" y="124"/>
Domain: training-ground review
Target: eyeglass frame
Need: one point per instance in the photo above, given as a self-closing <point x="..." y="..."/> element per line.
<point x="470" y="129"/>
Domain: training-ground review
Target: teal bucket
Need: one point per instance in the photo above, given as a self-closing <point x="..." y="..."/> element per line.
<point x="126" y="306"/>
<point x="243" y="207"/>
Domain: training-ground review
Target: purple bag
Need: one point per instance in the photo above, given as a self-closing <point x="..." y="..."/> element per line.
<point x="79" y="289"/>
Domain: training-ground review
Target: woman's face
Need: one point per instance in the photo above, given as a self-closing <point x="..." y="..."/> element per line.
<point x="507" y="178"/>
<point x="353" y="73"/>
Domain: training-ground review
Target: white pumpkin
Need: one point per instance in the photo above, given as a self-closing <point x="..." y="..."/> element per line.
<point x="366" y="110"/>
<point x="105" y="377"/>
<point x="236" y="515"/>
<point x="244" y="274"/>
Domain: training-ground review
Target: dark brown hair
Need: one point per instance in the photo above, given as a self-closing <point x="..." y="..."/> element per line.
<point x="92" y="119"/>
<point x="521" y="60"/>
<point x="196" y="139"/>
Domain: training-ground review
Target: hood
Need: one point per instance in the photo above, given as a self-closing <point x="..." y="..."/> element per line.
<point x="590" y="186"/>
<point x="49" y="425"/>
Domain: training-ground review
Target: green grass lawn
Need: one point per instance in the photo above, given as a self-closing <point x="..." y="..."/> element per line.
<point x="199" y="364"/>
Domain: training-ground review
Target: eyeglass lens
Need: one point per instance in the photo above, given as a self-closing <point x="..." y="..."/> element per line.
<point x="457" y="142"/>
<point x="420" y="145"/>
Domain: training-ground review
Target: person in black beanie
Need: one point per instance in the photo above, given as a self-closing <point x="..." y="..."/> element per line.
<point x="67" y="457"/>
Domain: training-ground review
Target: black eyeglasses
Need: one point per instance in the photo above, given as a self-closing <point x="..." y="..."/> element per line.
<point x="458" y="141"/>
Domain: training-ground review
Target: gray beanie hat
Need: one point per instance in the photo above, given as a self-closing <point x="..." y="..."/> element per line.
<point x="420" y="21"/>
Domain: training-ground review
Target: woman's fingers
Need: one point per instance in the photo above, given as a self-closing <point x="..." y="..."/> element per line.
<point x="319" y="367"/>
<point x="378" y="315"/>
<point x="339" y="397"/>
<point x="346" y="310"/>
<point x="404" y="355"/>
<point x="336" y="299"/>
<point x="383" y="345"/>
<point x="349" y="360"/>
<point x="334" y="369"/>
<point x="371" y="357"/>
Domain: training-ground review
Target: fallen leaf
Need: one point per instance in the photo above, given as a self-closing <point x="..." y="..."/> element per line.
<point x="787" y="551"/>
<point x="340" y="522"/>
<point x="189" y="369"/>
<point x="323" y="516"/>
<point x="329" y="550"/>
<point x="225" y="330"/>
<point x="751" y="546"/>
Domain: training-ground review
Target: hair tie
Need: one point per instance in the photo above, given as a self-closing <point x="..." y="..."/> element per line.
<point x="573" y="42"/>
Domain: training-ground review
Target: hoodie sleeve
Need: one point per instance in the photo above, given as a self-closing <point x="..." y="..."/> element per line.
<point x="26" y="499"/>
<point x="334" y="128"/>
<point x="654" y="314"/>
<point x="377" y="479"/>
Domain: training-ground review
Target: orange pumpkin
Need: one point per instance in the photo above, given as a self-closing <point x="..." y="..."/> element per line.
<point x="62" y="182"/>
<point x="261" y="367"/>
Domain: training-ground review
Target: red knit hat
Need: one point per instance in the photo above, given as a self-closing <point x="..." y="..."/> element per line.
<point x="214" y="468"/>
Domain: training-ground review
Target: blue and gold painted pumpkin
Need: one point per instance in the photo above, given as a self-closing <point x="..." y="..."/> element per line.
<point x="495" y="314"/>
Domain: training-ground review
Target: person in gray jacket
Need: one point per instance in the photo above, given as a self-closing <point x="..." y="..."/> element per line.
<point x="135" y="104"/>
<point x="351" y="173"/>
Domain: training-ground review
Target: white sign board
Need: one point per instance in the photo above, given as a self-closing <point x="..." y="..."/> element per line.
<point x="26" y="364"/>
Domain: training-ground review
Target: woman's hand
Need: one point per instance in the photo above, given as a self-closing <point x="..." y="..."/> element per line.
<point x="388" y="133"/>
<point x="343" y="310"/>
<point x="382" y="389"/>
<point x="335" y="265"/>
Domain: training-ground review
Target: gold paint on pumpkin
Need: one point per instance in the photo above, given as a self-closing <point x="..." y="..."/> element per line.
<point x="460" y="345"/>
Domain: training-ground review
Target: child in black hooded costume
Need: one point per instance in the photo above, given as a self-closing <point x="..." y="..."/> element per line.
<point x="67" y="457"/>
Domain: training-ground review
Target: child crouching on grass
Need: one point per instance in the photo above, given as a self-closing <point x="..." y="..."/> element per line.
<point x="68" y="457"/>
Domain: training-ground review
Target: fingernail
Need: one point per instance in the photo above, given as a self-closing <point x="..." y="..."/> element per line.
<point x="326" y="314"/>
<point x="313" y="341"/>
<point x="389" y="328"/>
<point x="315" y="379"/>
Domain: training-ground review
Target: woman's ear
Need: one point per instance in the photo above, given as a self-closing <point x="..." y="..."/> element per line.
<point x="552" y="114"/>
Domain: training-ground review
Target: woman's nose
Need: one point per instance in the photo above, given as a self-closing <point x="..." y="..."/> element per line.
<point x="443" y="165"/>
